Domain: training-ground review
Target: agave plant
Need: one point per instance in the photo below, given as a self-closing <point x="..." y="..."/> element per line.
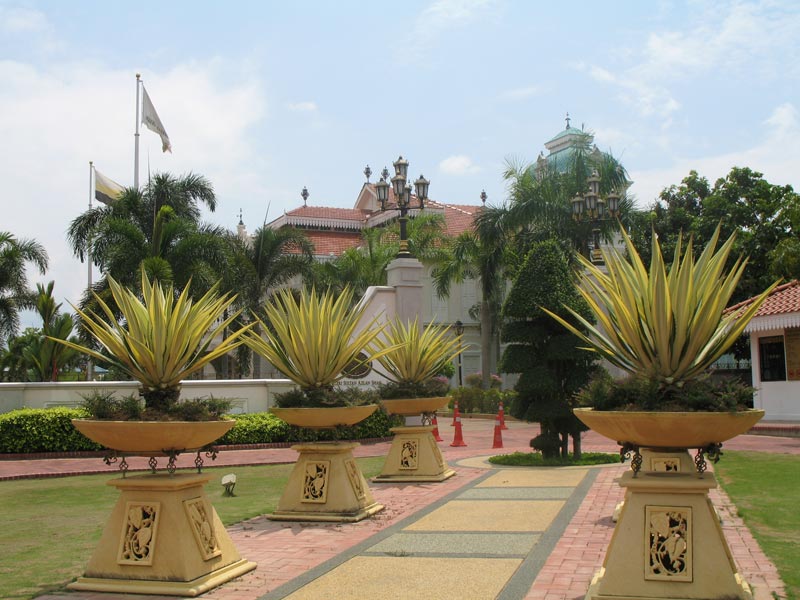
<point x="312" y="338"/>
<point x="413" y="355"/>
<point x="163" y="337"/>
<point x="663" y="325"/>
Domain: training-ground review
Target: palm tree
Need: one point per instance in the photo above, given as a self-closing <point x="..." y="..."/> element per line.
<point x="156" y="230"/>
<point x="270" y="259"/>
<point x="46" y="358"/>
<point x="365" y="265"/>
<point x="14" y="293"/>
<point x="356" y="268"/>
<point x="479" y="254"/>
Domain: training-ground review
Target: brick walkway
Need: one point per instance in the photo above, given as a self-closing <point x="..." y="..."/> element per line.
<point x="284" y="551"/>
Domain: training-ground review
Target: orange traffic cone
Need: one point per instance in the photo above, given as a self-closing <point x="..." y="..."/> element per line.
<point x="458" y="440"/>
<point x="435" y="431"/>
<point x="456" y="414"/>
<point x="498" y="434"/>
<point x="502" y="416"/>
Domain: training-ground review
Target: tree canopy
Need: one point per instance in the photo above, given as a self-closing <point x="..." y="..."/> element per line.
<point x="551" y="365"/>
<point x="764" y="216"/>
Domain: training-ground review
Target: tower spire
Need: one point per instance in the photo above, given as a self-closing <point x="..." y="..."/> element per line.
<point x="567" y="119"/>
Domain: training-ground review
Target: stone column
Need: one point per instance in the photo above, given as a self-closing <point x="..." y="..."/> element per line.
<point x="405" y="276"/>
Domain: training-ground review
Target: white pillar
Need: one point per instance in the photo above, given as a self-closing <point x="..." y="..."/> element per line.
<point x="405" y="276"/>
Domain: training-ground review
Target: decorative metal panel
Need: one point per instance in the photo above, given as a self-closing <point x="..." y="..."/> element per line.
<point x="201" y="521"/>
<point x="138" y="540"/>
<point x="315" y="484"/>
<point x="668" y="543"/>
<point x="409" y="455"/>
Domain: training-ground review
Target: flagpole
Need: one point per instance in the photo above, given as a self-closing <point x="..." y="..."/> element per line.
<point x="136" y="137"/>
<point x="89" y="363"/>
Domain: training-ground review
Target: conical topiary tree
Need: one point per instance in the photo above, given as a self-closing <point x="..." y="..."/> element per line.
<point x="547" y="357"/>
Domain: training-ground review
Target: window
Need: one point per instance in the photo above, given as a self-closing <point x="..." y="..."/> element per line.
<point x="773" y="358"/>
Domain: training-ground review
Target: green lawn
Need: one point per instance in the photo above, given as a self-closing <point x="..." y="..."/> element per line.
<point x="52" y="525"/>
<point x="765" y="489"/>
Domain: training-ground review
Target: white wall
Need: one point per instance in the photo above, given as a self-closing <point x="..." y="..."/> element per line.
<point x="779" y="399"/>
<point x="248" y="395"/>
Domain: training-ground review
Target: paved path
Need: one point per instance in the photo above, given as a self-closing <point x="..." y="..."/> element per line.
<point x="511" y="534"/>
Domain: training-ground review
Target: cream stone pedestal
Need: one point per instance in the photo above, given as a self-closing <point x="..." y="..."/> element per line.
<point x="668" y="543"/>
<point x="326" y="485"/>
<point x="414" y="457"/>
<point x="163" y="537"/>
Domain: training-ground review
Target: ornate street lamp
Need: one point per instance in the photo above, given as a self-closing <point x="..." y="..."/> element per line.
<point x="402" y="194"/>
<point x="594" y="209"/>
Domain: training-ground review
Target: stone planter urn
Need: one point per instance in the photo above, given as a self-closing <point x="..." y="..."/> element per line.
<point x="668" y="542"/>
<point x="163" y="536"/>
<point x="326" y="483"/>
<point x="414" y="455"/>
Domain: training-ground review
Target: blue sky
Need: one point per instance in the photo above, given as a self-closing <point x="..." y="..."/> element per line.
<point x="267" y="97"/>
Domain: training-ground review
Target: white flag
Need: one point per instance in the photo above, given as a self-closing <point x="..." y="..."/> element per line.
<point x="153" y="123"/>
<point x="106" y="190"/>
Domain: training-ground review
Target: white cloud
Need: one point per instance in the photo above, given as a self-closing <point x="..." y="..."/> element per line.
<point x="440" y="17"/>
<point x="22" y="20"/>
<point x="776" y="156"/>
<point x="56" y="119"/>
<point x="302" y="107"/>
<point x="754" y="39"/>
<point x="458" y="165"/>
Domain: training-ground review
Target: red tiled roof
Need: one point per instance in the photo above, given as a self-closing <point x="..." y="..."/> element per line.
<point x="330" y="242"/>
<point x="458" y="218"/>
<point x="783" y="299"/>
<point x="327" y="212"/>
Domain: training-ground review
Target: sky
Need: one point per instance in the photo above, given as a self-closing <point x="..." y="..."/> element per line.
<point x="266" y="97"/>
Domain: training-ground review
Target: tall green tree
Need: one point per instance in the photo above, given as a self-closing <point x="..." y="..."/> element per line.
<point x="156" y="229"/>
<point x="15" y="257"/>
<point x="479" y="254"/>
<point x="365" y="265"/>
<point x="14" y="366"/>
<point x="34" y="356"/>
<point x="259" y="266"/>
<point x="765" y="217"/>
<point x="551" y="365"/>
<point x="48" y="359"/>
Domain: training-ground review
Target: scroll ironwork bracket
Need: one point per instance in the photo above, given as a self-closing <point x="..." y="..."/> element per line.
<point x="713" y="451"/>
<point x="629" y="450"/>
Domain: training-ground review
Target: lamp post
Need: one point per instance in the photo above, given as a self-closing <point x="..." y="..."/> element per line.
<point x="594" y="209"/>
<point x="459" y="332"/>
<point x="402" y="194"/>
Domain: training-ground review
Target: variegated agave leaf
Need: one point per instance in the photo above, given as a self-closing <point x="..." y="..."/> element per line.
<point x="414" y="354"/>
<point x="667" y="325"/>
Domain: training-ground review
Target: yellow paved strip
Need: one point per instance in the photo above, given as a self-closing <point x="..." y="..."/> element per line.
<point x="494" y="515"/>
<point x="546" y="477"/>
<point x="370" y="578"/>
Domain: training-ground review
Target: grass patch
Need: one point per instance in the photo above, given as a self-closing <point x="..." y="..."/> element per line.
<point x="535" y="459"/>
<point x="52" y="525"/>
<point x="765" y="487"/>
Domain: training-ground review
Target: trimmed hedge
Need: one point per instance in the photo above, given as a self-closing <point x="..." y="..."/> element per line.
<point x="32" y="430"/>
<point x="29" y="430"/>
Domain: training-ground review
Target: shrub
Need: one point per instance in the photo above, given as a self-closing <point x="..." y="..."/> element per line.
<point x="257" y="428"/>
<point x="31" y="430"/>
<point x="476" y="380"/>
<point x="105" y="405"/>
<point x="475" y="400"/>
